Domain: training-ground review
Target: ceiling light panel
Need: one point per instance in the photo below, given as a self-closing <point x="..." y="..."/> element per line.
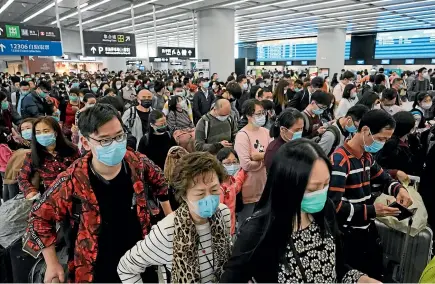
<point x="83" y="8"/>
<point x="49" y="6"/>
<point x="157" y="20"/>
<point x="6" y="5"/>
<point x="234" y="3"/>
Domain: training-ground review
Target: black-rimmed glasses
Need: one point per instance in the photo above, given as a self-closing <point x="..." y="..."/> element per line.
<point x="108" y="141"/>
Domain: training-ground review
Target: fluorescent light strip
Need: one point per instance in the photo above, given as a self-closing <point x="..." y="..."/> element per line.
<point x="51" y="5"/>
<point x="165" y="32"/>
<point x="176" y="6"/>
<point x="265" y="12"/>
<point x="150" y="23"/>
<point x="6" y="5"/>
<point x="116" y="12"/>
<point x="87" y="7"/>
<point x="268" y="5"/>
<point x="165" y="25"/>
<point x="234" y="3"/>
<point x="409" y="3"/>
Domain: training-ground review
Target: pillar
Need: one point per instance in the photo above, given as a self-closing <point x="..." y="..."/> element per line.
<point x="216" y="39"/>
<point x="331" y="43"/>
<point x="114" y="63"/>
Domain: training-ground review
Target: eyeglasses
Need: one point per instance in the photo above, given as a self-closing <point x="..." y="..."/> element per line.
<point x="260" y="113"/>
<point x="230" y="163"/>
<point x="108" y="141"/>
<point x="322" y="107"/>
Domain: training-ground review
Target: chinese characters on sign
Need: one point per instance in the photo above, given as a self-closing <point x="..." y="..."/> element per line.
<point x="159" y="59"/>
<point x="180" y="52"/>
<point x="109" y="44"/>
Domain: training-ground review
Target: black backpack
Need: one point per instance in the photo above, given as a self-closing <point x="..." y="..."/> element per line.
<point x="336" y="132"/>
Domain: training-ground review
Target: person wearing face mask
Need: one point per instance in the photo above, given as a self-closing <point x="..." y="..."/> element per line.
<point x="90" y="100"/>
<point x="251" y="144"/>
<point x="312" y="124"/>
<point x="421" y="109"/>
<point x="389" y="101"/>
<point x="202" y="100"/>
<point x="111" y="176"/>
<point x="128" y="93"/>
<point x="347" y="78"/>
<point x="232" y="186"/>
<point x="216" y="129"/>
<point x="75" y="84"/>
<point x="287" y="127"/>
<point x="178" y="90"/>
<point x="292" y="236"/>
<point x="216" y="88"/>
<point x="180" y="125"/>
<point x="421" y="82"/>
<point x="401" y="154"/>
<point x="51" y="153"/>
<point x="193" y="242"/>
<point x="71" y="110"/>
<point x="342" y="129"/>
<point x="37" y="103"/>
<point x="18" y="96"/>
<point x="302" y="98"/>
<point x="136" y="118"/>
<point x="161" y="95"/>
<point x="117" y="85"/>
<point x="280" y="96"/>
<point x="354" y="172"/>
<point x="242" y="81"/>
<point x="398" y="85"/>
<point x="156" y="143"/>
<point x="8" y="115"/>
<point x="349" y="99"/>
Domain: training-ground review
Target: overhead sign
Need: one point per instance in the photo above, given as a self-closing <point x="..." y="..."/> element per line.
<point x="304" y="62"/>
<point x="409" y="61"/>
<point x="360" y="62"/>
<point x="134" y="62"/>
<point x="385" y="61"/>
<point x="433" y="61"/>
<point x="23" y="40"/>
<point x="180" y="52"/>
<point x="106" y="44"/>
<point x="158" y="59"/>
<point x="289" y="63"/>
<point x="87" y="58"/>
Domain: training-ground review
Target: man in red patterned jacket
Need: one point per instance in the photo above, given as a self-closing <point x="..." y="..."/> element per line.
<point x="112" y="188"/>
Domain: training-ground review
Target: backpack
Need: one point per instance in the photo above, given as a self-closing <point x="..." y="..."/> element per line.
<point x="207" y="125"/>
<point x="131" y="118"/>
<point x="336" y="132"/>
<point x="362" y="90"/>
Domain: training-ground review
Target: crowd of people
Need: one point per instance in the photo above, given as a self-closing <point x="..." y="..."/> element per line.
<point x="173" y="176"/>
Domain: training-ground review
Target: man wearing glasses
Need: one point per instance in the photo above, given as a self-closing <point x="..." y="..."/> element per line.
<point x="312" y="113"/>
<point x="107" y="196"/>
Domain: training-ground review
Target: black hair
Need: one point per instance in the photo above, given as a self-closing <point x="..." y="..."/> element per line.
<point x="88" y="96"/>
<point x="286" y="119"/>
<point x="421" y="70"/>
<point x="347" y="90"/>
<point x="379" y="79"/>
<point x="177" y="85"/>
<point x="248" y="107"/>
<point x="420" y="97"/>
<point x="299" y="82"/>
<point x="357" y="112"/>
<point x="116" y="102"/>
<point x="44" y="85"/>
<point x="377" y="120"/>
<point x="405" y="122"/>
<point x="267" y="105"/>
<point x="4" y="133"/>
<point x="389" y="94"/>
<point x="109" y="90"/>
<point x="230" y="78"/>
<point x="396" y="80"/>
<point x="372" y="78"/>
<point x="172" y="103"/>
<point x="24" y="84"/>
<point x="240" y="78"/>
<point x="381" y="70"/>
<point x="321" y="97"/>
<point x="234" y="90"/>
<point x="368" y="99"/>
<point x="93" y="118"/>
<point x="348" y="75"/>
<point x="317" y="82"/>
<point x="128" y="78"/>
<point x="224" y="153"/>
<point x="64" y="148"/>
<point x="2" y="96"/>
<point x="256" y="90"/>
<point x="155" y="115"/>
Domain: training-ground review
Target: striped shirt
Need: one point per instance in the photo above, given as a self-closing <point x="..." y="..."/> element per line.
<point x="354" y="176"/>
<point x="157" y="249"/>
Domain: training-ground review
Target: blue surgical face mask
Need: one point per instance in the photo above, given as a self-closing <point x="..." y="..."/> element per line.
<point x="113" y="154"/>
<point x="46" y="139"/>
<point x="351" y="129"/>
<point x="314" y="202"/>
<point x="260" y="121"/>
<point x="205" y="85"/>
<point x="75" y="85"/>
<point x="318" y="111"/>
<point x="206" y="207"/>
<point x="26" y="134"/>
<point x="24" y="93"/>
<point x="232" y="169"/>
<point x="94" y="89"/>
<point x="374" y="147"/>
<point x="297" y="135"/>
<point x="297" y="90"/>
<point x="42" y="94"/>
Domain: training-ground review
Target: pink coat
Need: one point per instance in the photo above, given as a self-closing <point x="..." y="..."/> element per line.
<point x="5" y="154"/>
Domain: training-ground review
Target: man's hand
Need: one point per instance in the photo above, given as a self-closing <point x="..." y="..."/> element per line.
<point x="30" y="195"/>
<point x="226" y="144"/>
<point x="321" y="130"/>
<point x="256" y="156"/>
<point x="383" y="210"/>
<point x="403" y="197"/>
<point x="402" y="177"/>
<point x="54" y="273"/>
<point x="366" y="279"/>
<point x="74" y="129"/>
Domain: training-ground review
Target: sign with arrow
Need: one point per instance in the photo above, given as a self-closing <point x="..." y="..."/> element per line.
<point x="24" y="32"/>
<point x="178" y="52"/>
<point x="109" y="44"/>
<point x="30" y="48"/>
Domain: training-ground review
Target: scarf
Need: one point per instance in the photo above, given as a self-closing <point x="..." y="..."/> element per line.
<point x="185" y="264"/>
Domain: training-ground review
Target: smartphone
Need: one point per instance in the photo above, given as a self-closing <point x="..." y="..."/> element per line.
<point x="404" y="212"/>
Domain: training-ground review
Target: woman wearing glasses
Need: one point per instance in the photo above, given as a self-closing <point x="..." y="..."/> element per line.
<point x="51" y="153"/>
<point x="313" y="127"/>
<point x="251" y="144"/>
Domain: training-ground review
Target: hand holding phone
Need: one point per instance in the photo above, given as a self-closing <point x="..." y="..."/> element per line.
<point x="404" y="212"/>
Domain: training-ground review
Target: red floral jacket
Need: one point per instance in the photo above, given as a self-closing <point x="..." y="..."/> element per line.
<point x="56" y="204"/>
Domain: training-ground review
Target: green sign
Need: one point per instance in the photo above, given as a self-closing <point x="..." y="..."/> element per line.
<point x="13" y="31"/>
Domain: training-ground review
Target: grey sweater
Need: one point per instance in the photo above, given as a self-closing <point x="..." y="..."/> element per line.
<point x="179" y="120"/>
<point x="217" y="131"/>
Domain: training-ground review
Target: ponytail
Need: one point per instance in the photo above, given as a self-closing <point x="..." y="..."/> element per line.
<point x="286" y="119"/>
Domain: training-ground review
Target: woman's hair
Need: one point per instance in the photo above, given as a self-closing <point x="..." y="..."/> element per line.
<point x="64" y="148"/>
<point x="347" y="90"/>
<point x="26" y="120"/>
<point x="418" y="99"/>
<point x="88" y="96"/>
<point x="174" y="155"/>
<point x="191" y="166"/>
<point x="248" y="108"/>
<point x="286" y="119"/>
<point x="405" y="122"/>
<point x="279" y="94"/>
<point x="287" y="181"/>
<point x="224" y="153"/>
<point x="4" y="132"/>
<point x="172" y="103"/>
<point x="2" y="96"/>
<point x="368" y="99"/>
<point x="155" y="115"/>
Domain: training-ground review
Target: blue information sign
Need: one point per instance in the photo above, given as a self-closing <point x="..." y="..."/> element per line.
<point x="30" y="47"/>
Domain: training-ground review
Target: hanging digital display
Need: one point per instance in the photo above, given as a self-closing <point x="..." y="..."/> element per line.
<point x="292" y="49"/>
<point x="405" y="44"/>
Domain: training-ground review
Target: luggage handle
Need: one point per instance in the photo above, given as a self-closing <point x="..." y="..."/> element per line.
<point x="401" y="269"/>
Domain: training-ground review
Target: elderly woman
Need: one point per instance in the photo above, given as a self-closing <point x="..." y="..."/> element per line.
<point x="193" y="242"/>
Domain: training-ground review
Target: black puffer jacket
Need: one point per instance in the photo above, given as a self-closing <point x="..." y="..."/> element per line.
<point x="255" y="254"/>
<point x="33" y="105"/>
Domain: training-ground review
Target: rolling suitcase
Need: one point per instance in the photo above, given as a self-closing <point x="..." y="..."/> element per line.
<point x="405" y="257"/>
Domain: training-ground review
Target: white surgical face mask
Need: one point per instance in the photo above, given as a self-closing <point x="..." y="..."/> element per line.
<point x="426" y="106"/>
